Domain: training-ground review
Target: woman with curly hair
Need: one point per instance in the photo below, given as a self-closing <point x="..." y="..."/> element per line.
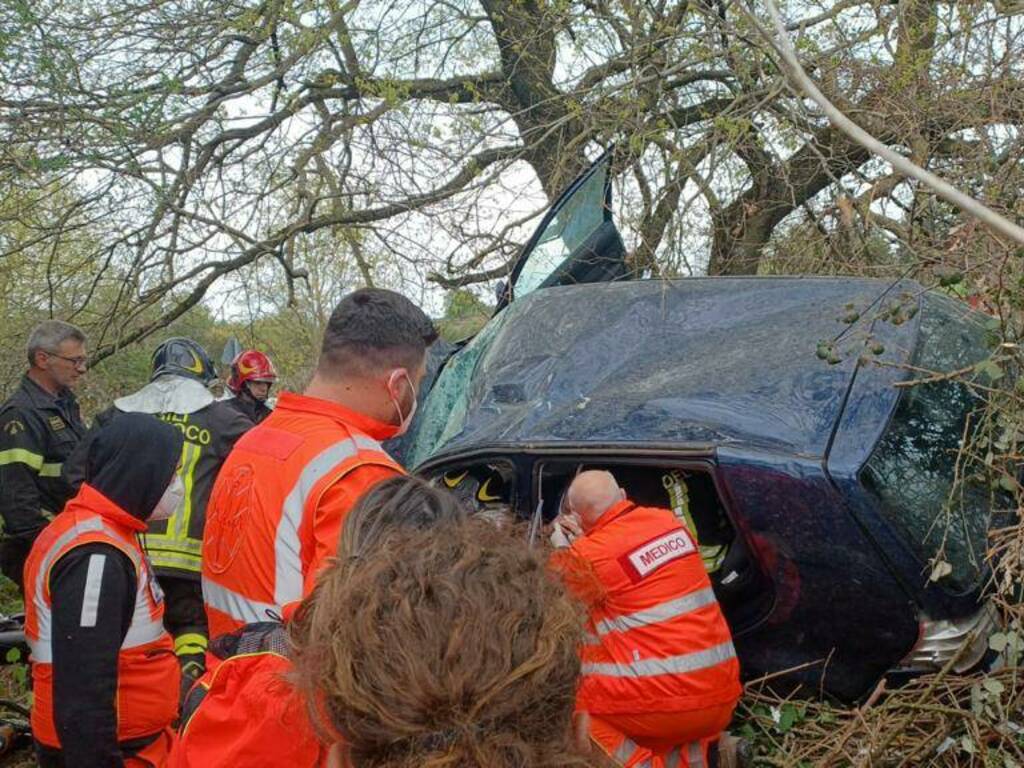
<point x="453" y="647"/>
<point x="244" y="712"/>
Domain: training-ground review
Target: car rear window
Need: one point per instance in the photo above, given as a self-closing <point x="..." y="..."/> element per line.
<point x="914" y="468"/>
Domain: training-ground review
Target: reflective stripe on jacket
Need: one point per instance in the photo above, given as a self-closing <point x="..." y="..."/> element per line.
<point x="275" y="514"/>
<point x="37" y="434"/>
<point x="148" y="674"/>
<point x="658" y="640"/>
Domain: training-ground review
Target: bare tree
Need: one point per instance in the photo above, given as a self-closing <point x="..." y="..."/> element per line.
<point x="199" y="138"/>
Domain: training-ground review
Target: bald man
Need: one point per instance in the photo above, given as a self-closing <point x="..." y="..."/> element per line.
<point x="659" y="669"/>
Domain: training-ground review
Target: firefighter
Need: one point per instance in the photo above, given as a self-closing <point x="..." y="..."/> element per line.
<point x="40" y="424"/>
<point x="659" y="668"/>
<point x="105" y="681"/>
<point x="244" y="710"/>
<point x="178" y="394"/>
<point x="252" y="376"/>
<point x="279" y="502"/>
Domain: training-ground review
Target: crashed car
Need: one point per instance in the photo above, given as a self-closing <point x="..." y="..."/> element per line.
<point x="818" y="488"/>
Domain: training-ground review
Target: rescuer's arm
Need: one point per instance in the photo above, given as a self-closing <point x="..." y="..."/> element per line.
<point x="330" y="514"/>
<point x="93" y="596"/>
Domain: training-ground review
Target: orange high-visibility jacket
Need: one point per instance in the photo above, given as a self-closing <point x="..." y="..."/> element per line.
<point x="148" y="674"/>
<point x="244" y="711"/>
<point x="658" y="641"/>
<point x="277" y="506"/>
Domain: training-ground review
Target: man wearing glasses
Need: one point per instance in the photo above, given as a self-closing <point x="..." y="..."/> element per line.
<point x="39" y="425"/>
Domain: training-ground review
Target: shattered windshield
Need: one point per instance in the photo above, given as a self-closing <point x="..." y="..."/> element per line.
<point x="444" y="412"/>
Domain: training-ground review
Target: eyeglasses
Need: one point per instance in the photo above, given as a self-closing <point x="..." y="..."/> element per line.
<point x="79" y="362"/>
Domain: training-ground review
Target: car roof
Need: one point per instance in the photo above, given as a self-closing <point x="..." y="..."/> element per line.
<point x="683" y="362"/>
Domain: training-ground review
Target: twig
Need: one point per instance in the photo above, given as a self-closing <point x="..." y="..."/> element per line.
<point x="900" y="163"/>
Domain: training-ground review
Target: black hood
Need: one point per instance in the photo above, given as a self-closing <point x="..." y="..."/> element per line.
<point x="132" y="460"/>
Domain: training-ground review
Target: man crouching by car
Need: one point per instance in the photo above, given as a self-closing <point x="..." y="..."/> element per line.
<point x="659" y="668"/>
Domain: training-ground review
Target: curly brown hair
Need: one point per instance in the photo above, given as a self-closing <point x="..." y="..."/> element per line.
<point x="448" y="647"/>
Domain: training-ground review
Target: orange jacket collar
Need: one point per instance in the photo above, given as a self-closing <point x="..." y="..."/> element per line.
<point x="614" y="513"/>
<point x="91" y="500"/>
<point x="378" y="430"/>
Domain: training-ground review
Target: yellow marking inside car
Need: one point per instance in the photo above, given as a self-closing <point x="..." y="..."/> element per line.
<point x="484" y="495"/>
<point x="453" y="482"/>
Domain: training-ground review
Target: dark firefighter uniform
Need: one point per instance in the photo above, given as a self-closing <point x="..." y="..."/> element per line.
<point x="37" y="434"/>
<point x="175" y="546"/>
<point x="178" y="394"/>
<point x="251" y="408"/>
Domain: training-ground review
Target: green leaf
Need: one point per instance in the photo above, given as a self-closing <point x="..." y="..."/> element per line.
<point x="993" y="686"/>
<point x="1007" y="483"/>
<point x="948" y="275"/>
<point x="13" y="655"/>
<point x="998" y="642"/>
<point x="990" y="369"/>
<point x="788" y="718"/>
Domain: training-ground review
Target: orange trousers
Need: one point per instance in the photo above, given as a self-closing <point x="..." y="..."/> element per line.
<point x="658" y="733"/>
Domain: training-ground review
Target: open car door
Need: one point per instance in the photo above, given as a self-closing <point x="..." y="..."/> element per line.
<point x="576" y="241"/>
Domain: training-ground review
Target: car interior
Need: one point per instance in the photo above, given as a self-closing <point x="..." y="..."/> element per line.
<point x="492" y="488"/>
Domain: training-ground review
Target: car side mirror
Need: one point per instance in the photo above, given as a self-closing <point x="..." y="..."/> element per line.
<point x="499" y="291"/>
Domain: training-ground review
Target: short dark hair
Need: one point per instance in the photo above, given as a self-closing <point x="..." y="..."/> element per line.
<point x="373" y="329"/>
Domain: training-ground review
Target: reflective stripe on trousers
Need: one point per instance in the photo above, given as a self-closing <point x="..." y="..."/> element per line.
<point x="694" y="756"/>
<point x="670" y="665"/>
<point x="674" y="759"/>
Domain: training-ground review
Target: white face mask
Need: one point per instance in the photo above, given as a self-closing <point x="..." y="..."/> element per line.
<point x="171" y="501"/>
<point x="404" y="419"/>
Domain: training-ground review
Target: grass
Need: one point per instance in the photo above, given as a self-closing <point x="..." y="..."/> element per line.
<point x="14" y="680"/>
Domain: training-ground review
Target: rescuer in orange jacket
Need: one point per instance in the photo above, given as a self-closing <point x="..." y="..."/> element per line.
<point x="659" y="668"/>
<point x="244" y="711"/>
<point x="277" y="506"/>
<point x="105" y="678"/>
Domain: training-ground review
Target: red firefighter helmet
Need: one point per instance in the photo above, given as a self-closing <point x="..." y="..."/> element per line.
<point x="250" y="365"/>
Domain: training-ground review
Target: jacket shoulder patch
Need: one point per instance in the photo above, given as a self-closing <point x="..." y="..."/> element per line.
<point x="642" y="561"/>
<point x="14" y="427"/>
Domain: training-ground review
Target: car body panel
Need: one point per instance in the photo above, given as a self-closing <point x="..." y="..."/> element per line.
<point x="726" y="360"/>
<point x="840" y="616"/>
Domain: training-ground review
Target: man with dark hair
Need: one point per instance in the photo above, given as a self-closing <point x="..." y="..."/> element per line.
<point x="277" y="506"/>
<point x="40" y="424"/>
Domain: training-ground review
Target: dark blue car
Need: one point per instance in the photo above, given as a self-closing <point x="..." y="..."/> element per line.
<point x="764" y="409"/>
